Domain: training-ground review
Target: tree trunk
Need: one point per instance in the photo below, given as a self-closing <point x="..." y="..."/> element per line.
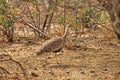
<point x="115" y="15"/>
<point x="113" y="8"/>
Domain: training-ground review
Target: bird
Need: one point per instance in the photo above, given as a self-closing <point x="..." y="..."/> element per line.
<point x="54" y="44"/>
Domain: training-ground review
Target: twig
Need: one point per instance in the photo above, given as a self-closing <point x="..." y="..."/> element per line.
<point x="31" y="15"/>
<point x="21" y="67"/>
<point x="30" y="25"/>
<point x="45" y="22"/>
<point x="23" y="70"/>
<point x="38" y="16"/>
<point x="10" y="58"/>
<point x="5" y="71"/>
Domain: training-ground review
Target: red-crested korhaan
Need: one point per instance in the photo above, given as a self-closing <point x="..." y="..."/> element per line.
<point x="54" y="44"/>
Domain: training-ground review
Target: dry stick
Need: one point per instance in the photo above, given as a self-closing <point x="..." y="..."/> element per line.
<point x="52" y="14"/>
<point x="46" y="17"/>
<point x="5" y="71"/>
<point x="49" y="22"/>
<point x="23" y="70"/>
<point x="31" y="16"/>
<point x="50" y="19"/>
<point x="45" y="22"/>
<point x="31" y="26"/>
<point x="38" y="16"/>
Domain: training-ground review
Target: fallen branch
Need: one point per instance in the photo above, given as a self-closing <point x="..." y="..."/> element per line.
<point x="4" y="70"/>
<point x="10" y="59"/>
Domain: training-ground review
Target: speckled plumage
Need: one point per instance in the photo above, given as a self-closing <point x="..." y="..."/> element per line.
<point x="53" y="44"/>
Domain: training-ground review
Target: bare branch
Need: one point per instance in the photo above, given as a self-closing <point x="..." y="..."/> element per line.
<point x="30" y="25"/>
<point x="31" y="15"/>
<point x="4" y="70"/>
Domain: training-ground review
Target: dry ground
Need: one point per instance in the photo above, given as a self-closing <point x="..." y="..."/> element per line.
<point x="82" y="63"/>
<point x="94" y="59"/>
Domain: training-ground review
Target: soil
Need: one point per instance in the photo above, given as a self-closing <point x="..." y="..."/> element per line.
<point x="99" y="59"/>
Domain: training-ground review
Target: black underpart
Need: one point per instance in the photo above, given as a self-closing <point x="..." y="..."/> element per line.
<point x="58" y="50"/>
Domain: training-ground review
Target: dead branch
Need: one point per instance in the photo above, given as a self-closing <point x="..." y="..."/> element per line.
<point x="38" y="16"/>
<point x="23" y="70"/>
<point x="31" y="16"/>
<point x="4" y="70"/>
<point x="10" y="59"/>
<point x="30" y="26"/>
<point x="45" y="22"/>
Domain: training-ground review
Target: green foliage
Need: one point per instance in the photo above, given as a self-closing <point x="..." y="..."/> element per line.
<point x="3" y="10"/>
<point x="5" y="21"/>
<point x="103" y="17"/>
<point x="93" y="14"/>
<point x="2" y="2"/>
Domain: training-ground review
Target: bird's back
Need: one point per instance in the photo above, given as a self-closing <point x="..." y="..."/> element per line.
<point x="52" y="45"/>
